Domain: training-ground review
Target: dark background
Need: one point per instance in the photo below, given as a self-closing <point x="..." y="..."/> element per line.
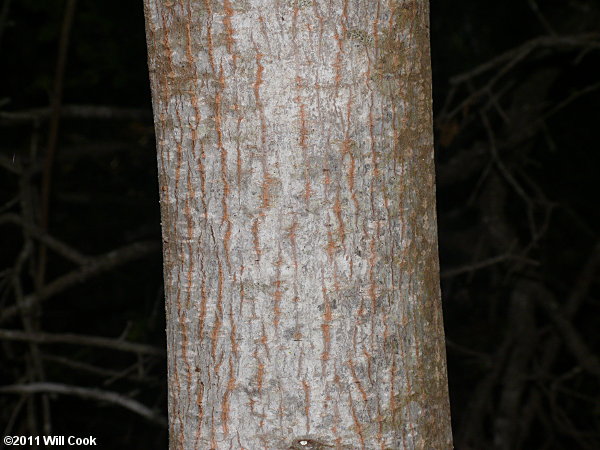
<point x="516" y="106"/>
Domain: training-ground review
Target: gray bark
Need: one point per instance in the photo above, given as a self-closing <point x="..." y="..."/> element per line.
<point x="298" y="210"/>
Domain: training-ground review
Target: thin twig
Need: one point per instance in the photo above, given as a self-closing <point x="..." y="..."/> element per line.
<point x="551" y="347"/>
<point x="55" y="105"/>
<point x="467" y="268"/>
<point x="15" y="413"/>
<point x="31" y="324"/>
<point x="511" y="180"/>
<point x="505" y="62"/>
<point x="571" y="98"/>
<point x="536" y="10"/>
<point x="571" y="337"/>
<point x="99" y="371"/>
<point x="4" y="17"/>
<point x="581" y="40"/>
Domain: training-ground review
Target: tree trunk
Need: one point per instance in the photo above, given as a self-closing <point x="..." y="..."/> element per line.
<point x="298" y="210"/>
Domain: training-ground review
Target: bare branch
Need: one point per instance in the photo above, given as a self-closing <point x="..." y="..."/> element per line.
<point x="483" y="264"/>
<point x="99" y="371"/>
<point x="586" y="278"/>
<point x="536" y="10"/>
<point x="572" y="339"/>
<point x="79" y="339"/>
<point x="59" y="247"/>
<point x="582" y="40"/>
<point x="88" y="393"/>
<point x="79" y="112"/>
<point x="571" y="98"/>
<point x="95" y="267"/>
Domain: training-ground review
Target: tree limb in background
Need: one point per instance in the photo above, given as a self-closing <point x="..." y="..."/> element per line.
<point x="96" y="266"/>
<point x="63" y="46"/>
<point x="59" y="247"/>
<point x="87" y="393"/>
<point x="79" y="112"/>
<point x="78" y="339"/>
<point x="109" y="374"/>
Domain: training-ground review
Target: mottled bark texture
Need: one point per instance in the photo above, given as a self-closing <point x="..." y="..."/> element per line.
<point x="298" y="210"/>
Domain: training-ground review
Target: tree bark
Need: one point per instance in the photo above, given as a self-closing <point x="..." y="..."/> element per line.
<point x="295" y="157"/>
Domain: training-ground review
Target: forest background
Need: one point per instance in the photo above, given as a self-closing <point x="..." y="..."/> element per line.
<point x="516" y="111"/>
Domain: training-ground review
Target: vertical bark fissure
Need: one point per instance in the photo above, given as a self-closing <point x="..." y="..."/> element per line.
<point x="298" y="209"/>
